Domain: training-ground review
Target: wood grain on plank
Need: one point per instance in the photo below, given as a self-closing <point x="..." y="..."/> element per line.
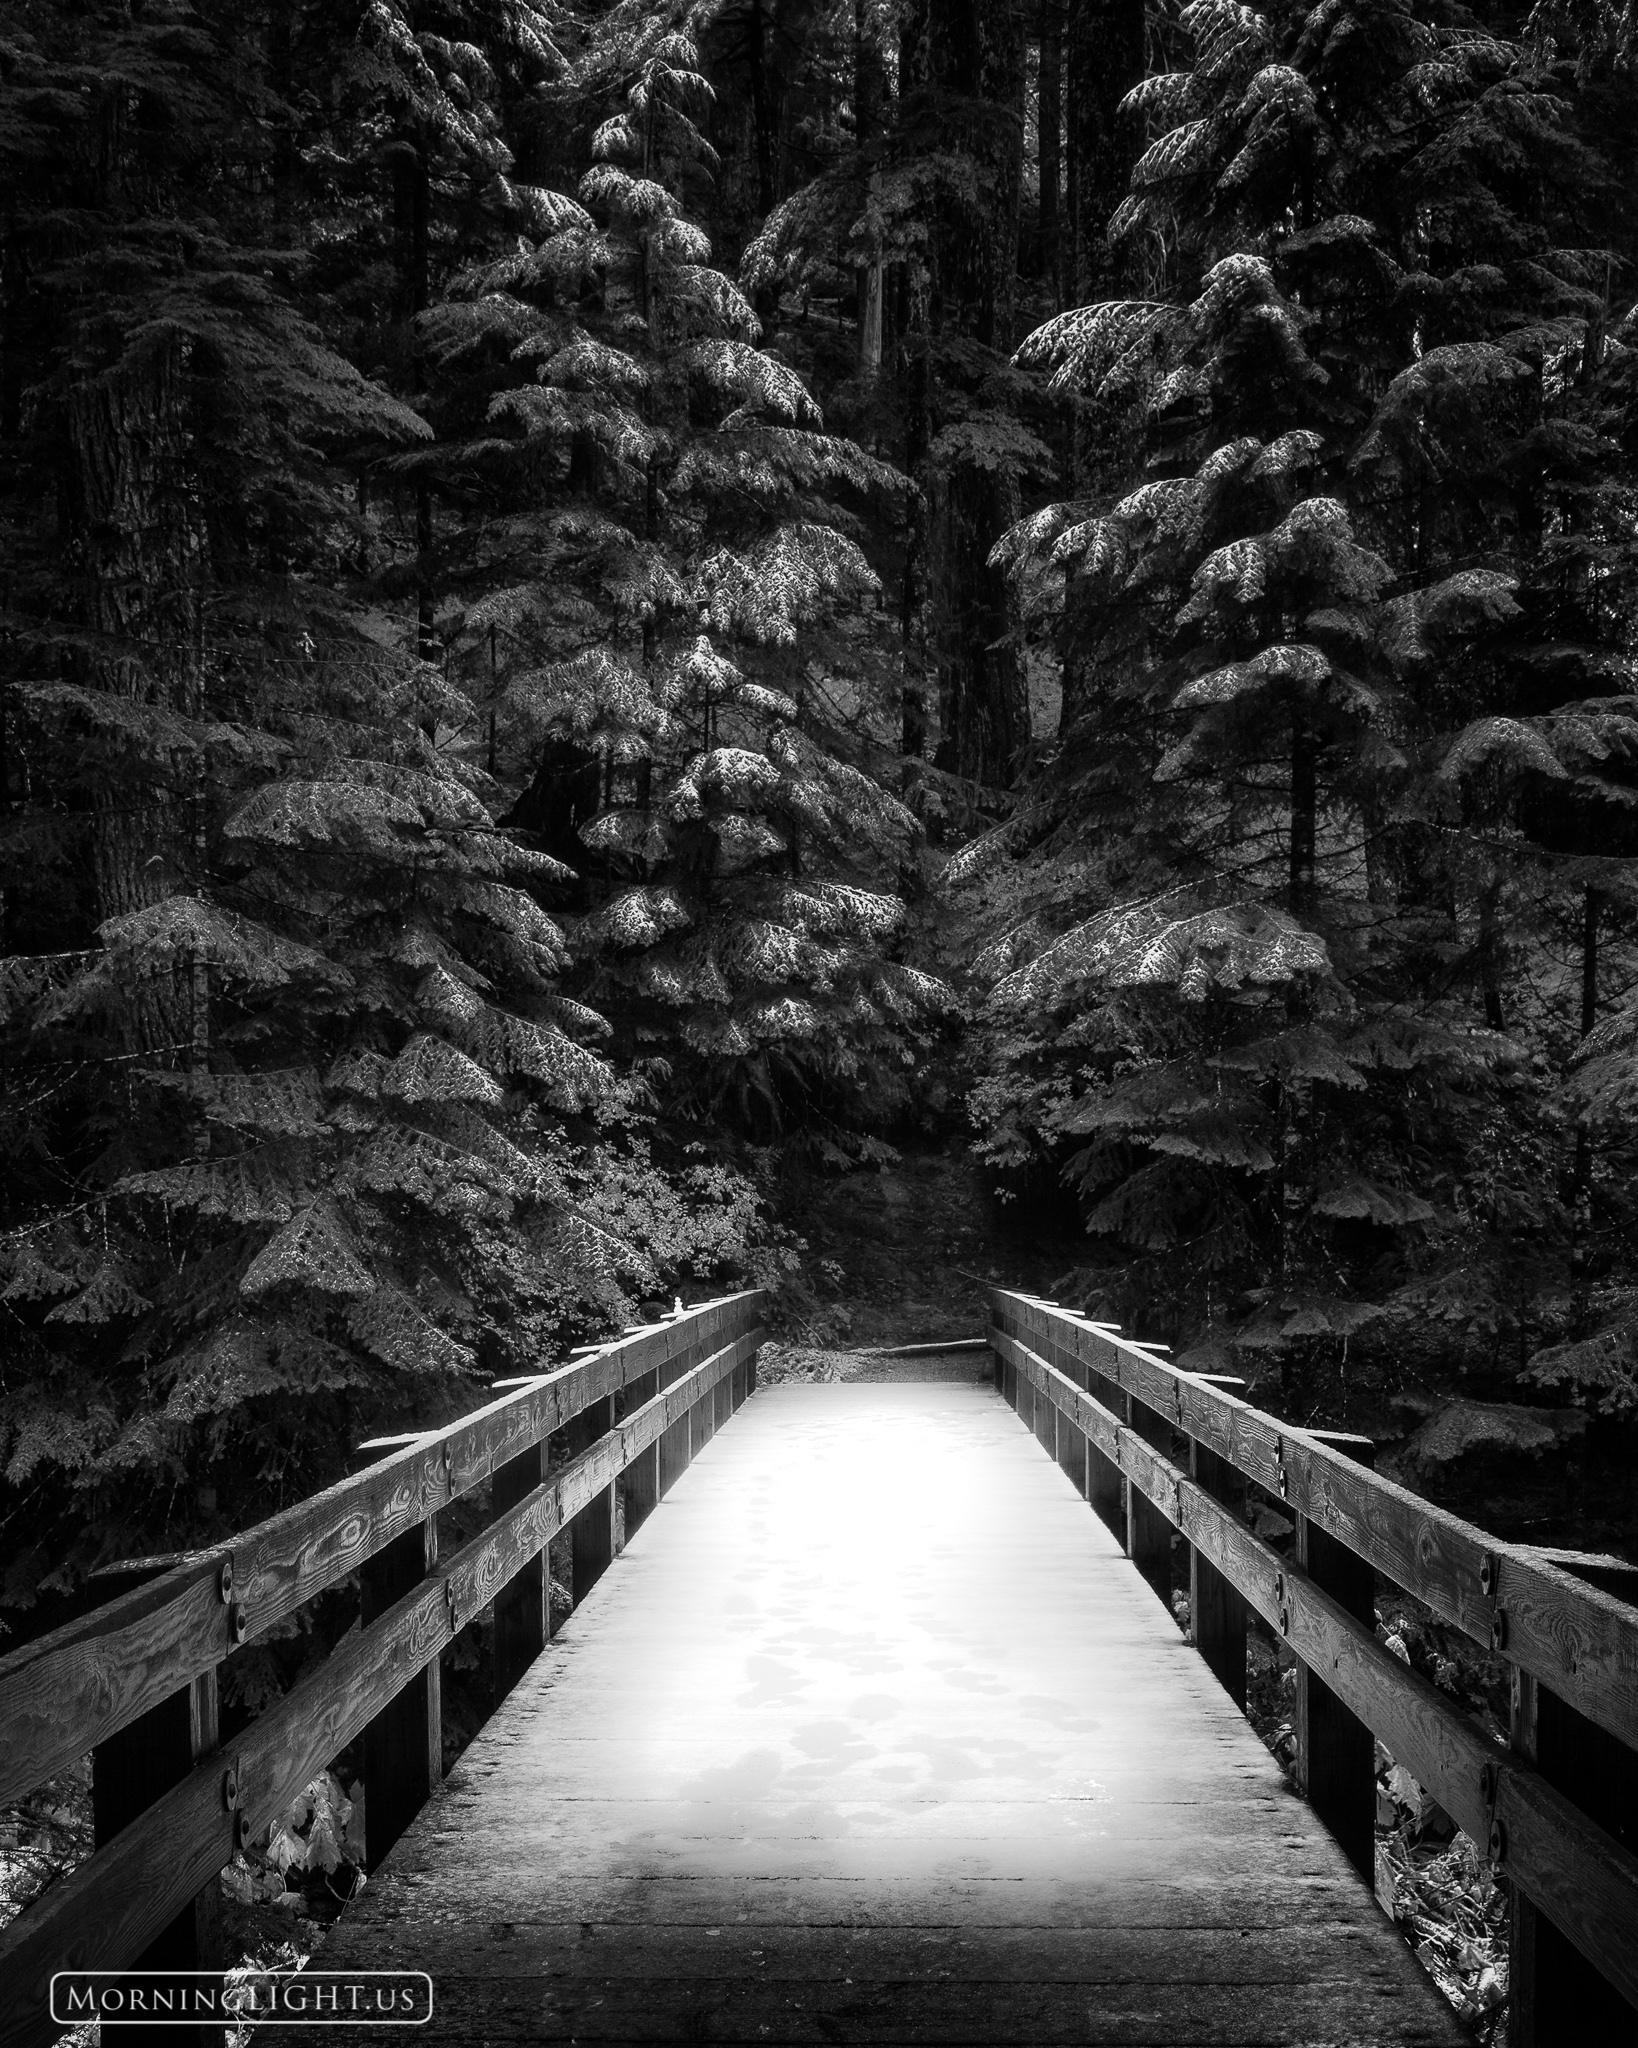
<point x="1578" y="1639"/>
<point x="109" y="1909"/>
<point x="1580" y="1876"/>
<point x="72" y="1689"/>
<point x="986" y="1795"/>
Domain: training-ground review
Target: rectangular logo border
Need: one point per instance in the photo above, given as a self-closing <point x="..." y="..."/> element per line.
<point x="283" y="2019"/>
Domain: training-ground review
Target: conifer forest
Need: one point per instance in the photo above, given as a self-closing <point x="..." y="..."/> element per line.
<point x="618" y="617"/>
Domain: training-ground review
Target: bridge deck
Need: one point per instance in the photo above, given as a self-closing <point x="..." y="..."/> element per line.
<point x="874" y="1736"/>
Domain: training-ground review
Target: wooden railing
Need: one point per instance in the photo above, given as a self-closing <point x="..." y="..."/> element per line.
<point x="135" y="1681"/>
<point x="1158" y="1450"/>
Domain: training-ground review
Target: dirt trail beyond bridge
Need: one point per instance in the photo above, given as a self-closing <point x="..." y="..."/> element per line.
<point x="874" y="1735"/>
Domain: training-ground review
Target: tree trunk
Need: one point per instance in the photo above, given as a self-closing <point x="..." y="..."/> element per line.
<point x="963" y="74"/>
<point x="1049" y="122"/>
<point x="966" y="75"/>
<point x="983" y="702"/>
<point x="762" y="113"/>
<point x="135" y="534"/>
<point x="1582" y="1176"/>
<point x="413" y="208"/>
<point x="869" y="111"/>
<point x="1304" y="807"/>
<point x="1104" y="46"/>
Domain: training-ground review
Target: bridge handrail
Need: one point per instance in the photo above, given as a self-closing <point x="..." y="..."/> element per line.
<point x="75" y="1689"/>
<point x="1579" y="1641"/>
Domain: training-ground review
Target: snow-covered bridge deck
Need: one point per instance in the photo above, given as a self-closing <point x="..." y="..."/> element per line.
<point x="873" y="1734"/>
<point x="876" y="1731"/>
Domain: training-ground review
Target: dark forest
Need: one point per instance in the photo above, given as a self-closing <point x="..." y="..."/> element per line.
<point x="619" y="621"/>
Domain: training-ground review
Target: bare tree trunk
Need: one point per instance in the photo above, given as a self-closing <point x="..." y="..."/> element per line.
<point x="412" y="221"/>
<point x="762" y="113"/>
<point x="135" y="533"/>
<point x="1304" y="808"/>
<point x="869" y="114"/>
<point x="1106" y="59"/>
<point x="1582" y="1175"/>
<point x="965" y="65"/>
<point x="963" y="71"/>
<point x="983" y="701"/>
<point x="1050" y="125"/>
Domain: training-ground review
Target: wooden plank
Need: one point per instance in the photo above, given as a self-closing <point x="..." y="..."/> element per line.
<point x="591" y="1532"/>
<point x="890" y="2011"/>
<point x="674" y="1455"/>
<point x="1072" y="1454"/>
<point x="1094" y="1956"/>
<point x="1578" y="1639"/>
<point x="805" y="1844"/>
<point x="1148" y="1529"/>
<point x="128" y="1773"/>
<point x="1335" y="1752"/>
<point x="72" y="1689"/>
<point x="522" y="1609"/>
<point x="1579" y="1875"/>
<point x="1556" y="1996"/>
<point x="929" y="1349"/>
<point x="285" y="1561"/>
<point x="641" y="1487"/>
<point x="404" y="1741"/>
<point x="105" y="1912"/>
<point x="1217" y="1608"/>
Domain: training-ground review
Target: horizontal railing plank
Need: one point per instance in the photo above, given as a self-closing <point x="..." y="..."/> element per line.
<point x="72" y="1689"/>
<point x="1578" y="1640"/>
<point x="1574" y="1871"/>
<point x="107" y="1911"/>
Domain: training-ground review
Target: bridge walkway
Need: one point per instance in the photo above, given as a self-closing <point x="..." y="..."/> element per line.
<point x="874" y="1735"/>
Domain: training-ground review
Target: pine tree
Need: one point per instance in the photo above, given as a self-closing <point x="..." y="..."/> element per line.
<point x="308" y="1136"/>
<point x="678" y="525"/>
<point x="1277" y="628"/>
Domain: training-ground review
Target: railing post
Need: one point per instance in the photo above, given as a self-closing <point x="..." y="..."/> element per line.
<point x="523" y="1608"/>
<point x="640" y="1482"/>
<point x="404" y="1744"/>
<point x="128" y="1773"/>
<point x="1336" y="1752"/>
<point x="675" y="1447"/>
<point x="591" y="1531"/>
<point x="1217" y="1612"/>
<point x="1148" y="1533"/>
<point x="1044" y="1414"/>
<point x="1556" y="1998"/>
<point x="1072" y="1444"/>
<point x="1103" y="1480"/>
<point x="674" y="1454"/>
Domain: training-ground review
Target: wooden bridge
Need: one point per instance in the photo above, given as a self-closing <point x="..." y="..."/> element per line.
<point x="876" y="1733"/>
